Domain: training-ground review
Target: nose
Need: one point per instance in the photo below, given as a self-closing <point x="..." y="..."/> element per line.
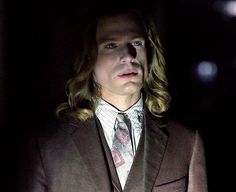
<point x="128" y="53"/>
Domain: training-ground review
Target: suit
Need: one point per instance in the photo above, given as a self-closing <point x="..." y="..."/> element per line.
<point x="74" y="157"/>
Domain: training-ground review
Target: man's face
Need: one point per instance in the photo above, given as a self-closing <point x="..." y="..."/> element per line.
<point x="122" y="61"/>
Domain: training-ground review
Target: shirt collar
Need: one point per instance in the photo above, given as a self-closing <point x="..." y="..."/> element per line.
<point x="105" y="107"/>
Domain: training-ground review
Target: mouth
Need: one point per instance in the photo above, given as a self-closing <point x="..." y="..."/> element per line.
<point x="128" y="74"/>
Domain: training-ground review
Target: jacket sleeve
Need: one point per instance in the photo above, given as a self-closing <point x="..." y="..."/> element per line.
<point x="31" y="175"/>
<point x="197" y="169"/>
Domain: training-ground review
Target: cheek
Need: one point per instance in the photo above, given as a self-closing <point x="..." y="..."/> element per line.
<point x="98" y="72"/>
<point x="146" y="70"/>
<point x="142" y="57"/>
<point x="102" y="70"/>
<point x="105" y="63"/>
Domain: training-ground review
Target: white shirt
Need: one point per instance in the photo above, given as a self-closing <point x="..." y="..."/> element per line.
<point x="107" y="113"/>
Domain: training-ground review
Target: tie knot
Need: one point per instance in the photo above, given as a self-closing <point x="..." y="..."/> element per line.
<point x="121" y="116"/>
<point x="123" y="121"/>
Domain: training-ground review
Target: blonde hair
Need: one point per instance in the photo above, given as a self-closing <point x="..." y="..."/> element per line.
<point x="82" y="90"/>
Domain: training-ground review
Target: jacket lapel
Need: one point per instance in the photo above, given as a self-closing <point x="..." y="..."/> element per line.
<point x="90" y="149"/>
<point x="149" y="155"/>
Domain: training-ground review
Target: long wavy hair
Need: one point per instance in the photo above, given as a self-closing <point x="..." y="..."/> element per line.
<point x="82" y="90"/>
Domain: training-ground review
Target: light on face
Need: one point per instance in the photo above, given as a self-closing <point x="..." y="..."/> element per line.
<point x="206" y="70"/>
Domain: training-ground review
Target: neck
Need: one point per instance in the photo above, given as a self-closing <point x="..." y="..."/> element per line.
<point x="122" y="102"/>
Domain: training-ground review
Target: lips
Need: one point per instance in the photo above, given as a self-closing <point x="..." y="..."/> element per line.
<point x="128" y="74"/>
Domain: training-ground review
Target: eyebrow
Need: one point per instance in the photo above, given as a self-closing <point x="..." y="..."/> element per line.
<point x="134" y="34"/>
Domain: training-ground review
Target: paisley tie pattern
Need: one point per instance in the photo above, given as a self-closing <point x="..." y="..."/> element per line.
<point x="122" y="148"/>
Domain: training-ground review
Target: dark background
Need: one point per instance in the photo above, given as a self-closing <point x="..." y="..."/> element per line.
<point x="36" y="51"/>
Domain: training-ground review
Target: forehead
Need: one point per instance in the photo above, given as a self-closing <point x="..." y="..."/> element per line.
<point x="119" y="25"/>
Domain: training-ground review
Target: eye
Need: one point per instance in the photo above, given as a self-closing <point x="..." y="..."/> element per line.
<point x="110" y="46"/>
<point x="137" y="43"/>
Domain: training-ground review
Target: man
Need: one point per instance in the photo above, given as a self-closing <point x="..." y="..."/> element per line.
<point x="119" y="76"/>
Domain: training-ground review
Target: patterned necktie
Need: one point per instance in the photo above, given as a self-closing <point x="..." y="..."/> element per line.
<point x="122" y="150"/>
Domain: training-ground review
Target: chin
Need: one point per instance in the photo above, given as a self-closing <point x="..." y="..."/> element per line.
<point x="131" y="90"/>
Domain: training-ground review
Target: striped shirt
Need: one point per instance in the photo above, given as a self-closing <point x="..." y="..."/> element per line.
<point x="107" y="113"/>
